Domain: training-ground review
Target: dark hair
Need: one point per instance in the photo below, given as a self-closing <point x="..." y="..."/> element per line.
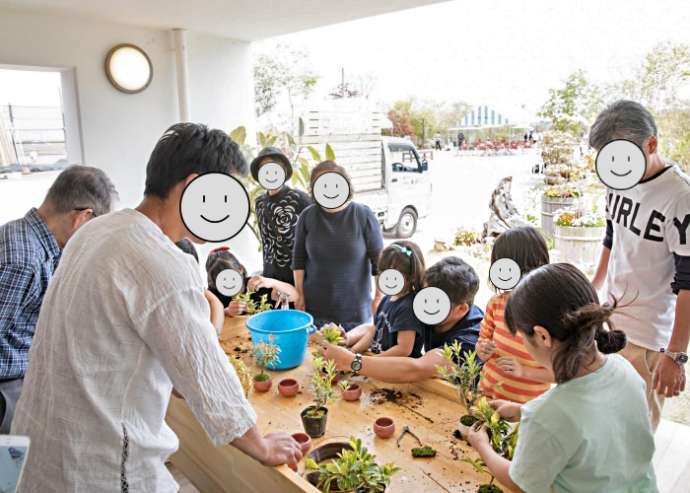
<point x="561" y="299"/>
<point x="405" y="257"/>
<point x="330" y="167"/>
<point x="220" y="259"/>
<point x="187" y="148"/>
<point x="525" y="245"/>
<point x="82" y="187"/>
<point x="622" y="119"/>
<point x="455" y="277"/>
<point x="188" y="247"/>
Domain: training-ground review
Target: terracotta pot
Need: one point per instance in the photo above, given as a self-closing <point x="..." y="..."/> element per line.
<point x="262" y="385"/>
<point x="288" y="387"/>
<point x="304" y="441"/>
<point x="314" y="426"/>
<point x="353" y="392"/>
<point x="384" y="427"/>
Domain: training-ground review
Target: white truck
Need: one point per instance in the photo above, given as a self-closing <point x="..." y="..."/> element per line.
<point x="387" y="173"/>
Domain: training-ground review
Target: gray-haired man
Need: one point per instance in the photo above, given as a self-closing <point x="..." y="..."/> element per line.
<point x="29" y="252"/>
<point x="646" y="256"/>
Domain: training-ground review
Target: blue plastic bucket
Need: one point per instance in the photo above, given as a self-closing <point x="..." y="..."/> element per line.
<point x="290" y="330"/>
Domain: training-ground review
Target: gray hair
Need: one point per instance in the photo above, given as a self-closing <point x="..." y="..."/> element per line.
<point x="82" y="187"/>
<point x="622" y="120"/>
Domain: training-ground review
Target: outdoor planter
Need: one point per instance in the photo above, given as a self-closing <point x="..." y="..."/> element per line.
<point x="288" y="387"/>
<point x="384" y="427"/>
<point x="304" y="441"/>
<point x="261" y="384"/>
<point x="352" y="393"/>
<point x="315" y="423"/>
<point x="549" y="205"/>
<point x="579" y="245"/>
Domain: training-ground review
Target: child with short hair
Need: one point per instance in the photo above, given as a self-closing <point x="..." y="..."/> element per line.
<point x="509" y="371"/>
<point x="395" y="331"/>
<point x="591" y="432"/>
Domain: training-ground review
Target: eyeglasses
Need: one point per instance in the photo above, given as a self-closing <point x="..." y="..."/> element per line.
<point x="93" y="212"/>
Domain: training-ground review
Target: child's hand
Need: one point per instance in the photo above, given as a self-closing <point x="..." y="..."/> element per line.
<point x="506" y="409"/>
<point x="477" y="436"/>
<point x="236" y="308"/>
<point x="511" y="366"/>
<point x="485" y="349"/>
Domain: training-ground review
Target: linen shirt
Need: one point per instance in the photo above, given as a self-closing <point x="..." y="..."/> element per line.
<point x="29" y="255"/>
<point x="123" y="320"/>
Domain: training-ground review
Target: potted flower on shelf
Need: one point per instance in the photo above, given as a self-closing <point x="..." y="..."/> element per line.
<point x="463" y="371"/>
<point x="577" y="236"/>
<point x="265" y="354"/>
<point x="555" y="198"/>
<point x="315" y="416"/>
<point x="354" y="470"/>
<point x="481" y="468"/>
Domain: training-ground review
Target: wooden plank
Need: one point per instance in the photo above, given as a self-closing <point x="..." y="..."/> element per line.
<point x="431" y="410"/>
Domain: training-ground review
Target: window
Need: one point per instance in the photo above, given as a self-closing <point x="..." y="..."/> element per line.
<point x="404" y="158"/>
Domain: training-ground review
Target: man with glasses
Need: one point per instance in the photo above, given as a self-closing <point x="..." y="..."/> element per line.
<point x="30" y="248"/>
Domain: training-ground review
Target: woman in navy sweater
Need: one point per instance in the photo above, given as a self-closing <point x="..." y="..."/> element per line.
<point x="337" y="245"/>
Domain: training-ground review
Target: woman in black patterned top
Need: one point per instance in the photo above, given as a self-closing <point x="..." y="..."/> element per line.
<point x="277" y="212"/>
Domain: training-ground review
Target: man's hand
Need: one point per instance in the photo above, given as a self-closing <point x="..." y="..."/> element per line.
<point x="511" y="366"/>
<point x="341" y="356"/>
<point x="258" y="282"/>
<point x="299" y="302"/>
<point x="485" y="349"/>
<point x="236" y="308"/>
<point x="669" y="377"/>
<point x="281" y="448"/>
<point x="506" y="409"/>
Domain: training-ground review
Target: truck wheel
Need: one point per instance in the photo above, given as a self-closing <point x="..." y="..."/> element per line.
<point x="407" y="224"/>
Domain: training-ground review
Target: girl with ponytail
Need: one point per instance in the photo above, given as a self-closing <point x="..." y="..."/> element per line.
<point x="591" y="432"/>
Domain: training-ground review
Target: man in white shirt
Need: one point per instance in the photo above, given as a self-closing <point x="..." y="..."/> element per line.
<point x="645" y="262"/>
<point x="123" y="321"/>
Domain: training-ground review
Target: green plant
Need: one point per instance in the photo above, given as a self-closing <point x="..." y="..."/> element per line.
<point x="498" y="428"/>
<point x="425" y="451"/>
<point x="353" y="470"/>
<point x="322" y="385"/>
<point x="332" y="334"/>
<point x="462" y="370"/>
<point x="561" y="192"/>
<point x="481" y="468"/>
<point x="465" y="237"/>
<point x="579" y="219"/>
<point x="252" y="307"/>
<point x="266" y="354"/>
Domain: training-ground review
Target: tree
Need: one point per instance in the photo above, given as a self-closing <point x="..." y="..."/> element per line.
<point x="424" y="118"/>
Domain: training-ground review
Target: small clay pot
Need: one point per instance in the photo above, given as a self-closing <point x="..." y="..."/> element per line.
<point x="262" y="385"/>
<point x="384" y="427"/>
<point x="304" y="441"/>
<point x="314" y="426"/>
<point x="353" y="392"/>
<point x="288" y="387"/>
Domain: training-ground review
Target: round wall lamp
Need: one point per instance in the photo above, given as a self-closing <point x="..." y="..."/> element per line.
<point x="128" y="68"/>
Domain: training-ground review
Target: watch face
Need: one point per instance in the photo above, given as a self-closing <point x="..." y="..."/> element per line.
<point x="682" y="358"/>
<point x="357" y="364"/>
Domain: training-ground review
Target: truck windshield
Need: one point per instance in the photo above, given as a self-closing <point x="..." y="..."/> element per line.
<point x="404" y="158"/>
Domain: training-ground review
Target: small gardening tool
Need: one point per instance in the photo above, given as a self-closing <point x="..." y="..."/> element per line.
<point x="407" y="430"/>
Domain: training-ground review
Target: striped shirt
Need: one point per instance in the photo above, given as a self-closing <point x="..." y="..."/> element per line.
<point x="496" y="383"/>
<point x="29" y="255"/>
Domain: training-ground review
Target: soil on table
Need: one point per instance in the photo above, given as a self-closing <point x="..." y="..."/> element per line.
<point x="407" y="399"/>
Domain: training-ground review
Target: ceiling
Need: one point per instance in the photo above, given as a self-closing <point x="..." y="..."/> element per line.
<point x="239" y="19"/>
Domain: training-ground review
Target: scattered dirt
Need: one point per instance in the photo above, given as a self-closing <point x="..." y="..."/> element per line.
<point x="457" y="434"/>
<point x="410" y="400"/>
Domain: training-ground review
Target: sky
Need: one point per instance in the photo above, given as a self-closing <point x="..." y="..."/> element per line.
<point x="506" y="54"/>
<point x="29" y="88"/>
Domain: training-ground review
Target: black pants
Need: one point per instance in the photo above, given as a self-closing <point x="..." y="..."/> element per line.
<point x="9" y="395"/>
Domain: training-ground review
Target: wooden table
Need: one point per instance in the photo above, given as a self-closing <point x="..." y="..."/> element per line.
<point x="430" y="409"/>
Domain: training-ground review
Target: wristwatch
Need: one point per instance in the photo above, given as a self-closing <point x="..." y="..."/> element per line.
<point x="679" y="357"/>
<point x="356" y="364"/>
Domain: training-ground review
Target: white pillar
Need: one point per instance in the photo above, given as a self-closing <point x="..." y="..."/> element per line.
<point x="180" y="43"/>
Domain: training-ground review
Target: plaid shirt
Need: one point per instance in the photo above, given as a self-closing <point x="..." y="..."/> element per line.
<point x="29" y="255"/>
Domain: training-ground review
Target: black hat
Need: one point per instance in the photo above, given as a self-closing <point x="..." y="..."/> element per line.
<point x="275" y="153"/>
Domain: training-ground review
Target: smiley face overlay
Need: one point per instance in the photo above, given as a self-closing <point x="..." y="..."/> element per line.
<point x="505" y="274"/>
<point x="431" y="306"/>
<point x="621" y="164"/>
<point x="271" y="176"/>
<point x="214" y="207"/>
<point x="331" y="190"/>
<point x="229" y="282"/>
<point x="391" y="282"/>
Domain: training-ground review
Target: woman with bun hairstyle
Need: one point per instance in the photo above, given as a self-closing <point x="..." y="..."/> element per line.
<point x="591" y="432"/>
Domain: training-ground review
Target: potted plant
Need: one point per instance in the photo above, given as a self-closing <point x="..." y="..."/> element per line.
<point x="463" y="371"/>
<point x="315" y="416"/>
<point x="555" y="198"/>
<point x="498" y="428"/>
<point x="577" y="236"/>
<point x="354" y="470"/>
<point x="252" y="307"/>
<point x="481" y="468"/>
<point x="352" y="392"/>
<point x="265" y="354"/>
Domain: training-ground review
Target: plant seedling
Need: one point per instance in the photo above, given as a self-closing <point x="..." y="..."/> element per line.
<point x="252" y="307"/>
<point x="425" y="451"/>
<point x="481" y="468"/>
<point x="353" y="470"/>
<point x="462" y="371"/>
<point x="332" y="334"/>
<point x="322" y="385"/>
<point x="497" y="427"/>
<point x="265" y="354"/>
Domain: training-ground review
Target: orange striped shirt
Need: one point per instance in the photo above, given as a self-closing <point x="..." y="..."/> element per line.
<point x="494" y="382"/>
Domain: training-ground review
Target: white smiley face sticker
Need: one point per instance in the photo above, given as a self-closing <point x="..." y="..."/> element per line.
<point x="214" y="207"/>
<point x="505" y="273"/>
<point x="391" y="282"/>
<point x="431" y="306"/>
<point x="271" y="176"/>
<point x="620" y="164"/>
<point x="229" y="282"/>
<point x="331" y="190"/>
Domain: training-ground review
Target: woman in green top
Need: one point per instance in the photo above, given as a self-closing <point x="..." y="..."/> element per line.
<point x="591" y="432"/>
